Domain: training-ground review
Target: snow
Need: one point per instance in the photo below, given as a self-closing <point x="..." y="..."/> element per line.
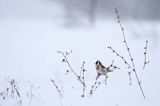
<point x="28" y="53"/>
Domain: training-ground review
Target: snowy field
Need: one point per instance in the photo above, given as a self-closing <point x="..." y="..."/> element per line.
<point x="28" y="53"/>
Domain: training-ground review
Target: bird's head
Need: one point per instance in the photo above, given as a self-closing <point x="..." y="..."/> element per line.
<point x="98" y="63"/>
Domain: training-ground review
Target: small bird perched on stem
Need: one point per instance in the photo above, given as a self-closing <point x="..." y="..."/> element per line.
<point x="102" y="70"/>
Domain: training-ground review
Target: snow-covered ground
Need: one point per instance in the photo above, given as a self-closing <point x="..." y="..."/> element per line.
<point x="28" y="53"/>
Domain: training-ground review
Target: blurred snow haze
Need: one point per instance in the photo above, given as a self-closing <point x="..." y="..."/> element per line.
<point x="32" y="31"/>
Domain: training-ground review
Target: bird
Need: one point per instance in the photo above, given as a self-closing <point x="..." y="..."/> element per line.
<point x="101" y="70"/>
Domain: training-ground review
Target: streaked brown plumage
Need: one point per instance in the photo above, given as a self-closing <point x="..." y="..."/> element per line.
<point x="102" y="70"/>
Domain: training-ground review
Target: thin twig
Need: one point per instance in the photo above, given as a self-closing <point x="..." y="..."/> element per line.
<point x="145" y="55"/>
<point x="71" y="69"/>
<point x="59" y="91"/>
<point x="12" y="91"/>
<point x="15" y="90"/>
<point x="99" y="83"/>
<point x="128" y="50"/>
<point x="112" y="66"/>
<point x="130" y="78"/>
<point x="125" y="62"/>
<point x="96" y="85"/>
<point x="114" y="51"/>
<point x="60" y="99"/>
<point x="31" y="95"/>
<point x="106" y="76"/>
<point x="83" y="77"/>
<point x="93" y="86"/>
<point x="38" y="94"/>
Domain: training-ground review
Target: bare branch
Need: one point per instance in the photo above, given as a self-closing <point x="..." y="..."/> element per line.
<point x="112" y="67"/>
<point x="59" y="91"/>
<point x="69" y="65"/>
<point x="94" y="85"/>
<point x="12" y="91"/>
<point x="145" y="55"/>
<point x="128" y="50"/>
<point x="130" y="78"/>
<point x="125" y="62"/>
<point x="117" y="54"/>
<point x="106" y="76"/>
<point x="83" y="77"/>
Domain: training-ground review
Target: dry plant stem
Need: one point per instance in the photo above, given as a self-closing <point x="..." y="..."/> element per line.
<point x="130" y="78"/>
<point x="112" y="66"/>
<point x="15" y="91"/>
<point x="129" y="66"/>
<point x="93" y="86"/>
<point x="60" y="99"/>
<point x="83" y="78"/>
<point x="99" y="83"/>
<point x="12" y="91"/>
<point x="145" y="55"/>
<point x="38" y="94"/>
<point x="31" y="95"/>
<point x="106" y="76"/>
<point x="59" y="91"/>
<point x="71" y="69"/>
<point x="128" y="50"/>
<point x="114" y="51"/>
<point x="96" y="85"/>
<point x="106" y="79"/>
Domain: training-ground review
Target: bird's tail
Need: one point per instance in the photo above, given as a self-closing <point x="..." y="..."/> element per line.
<point x="109" y="70"/>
